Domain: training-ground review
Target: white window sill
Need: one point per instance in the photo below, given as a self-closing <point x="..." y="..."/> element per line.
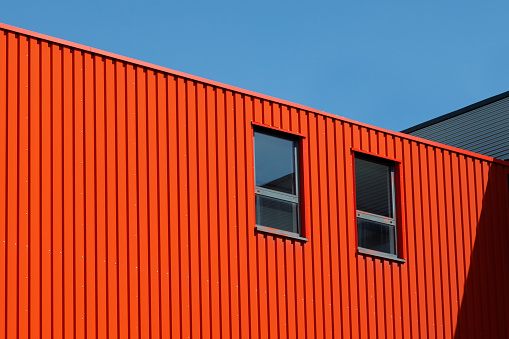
<point x="380" y="255"/>
<point x="285" y="234"/>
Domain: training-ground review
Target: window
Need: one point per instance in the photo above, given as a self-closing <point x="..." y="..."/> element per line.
<point x="376" y="205"/>
<point x="277" y="190"/>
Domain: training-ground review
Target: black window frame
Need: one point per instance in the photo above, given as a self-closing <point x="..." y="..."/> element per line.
<point x="393" y="221"/>
<point x="296" y="198"/>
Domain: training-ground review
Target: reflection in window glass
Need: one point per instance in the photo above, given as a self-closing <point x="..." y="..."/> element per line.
<point x="375" y="236"/>
<point x="373" y="187"/>
<point x="276" y="213"/>
<point x="275" y="163"/>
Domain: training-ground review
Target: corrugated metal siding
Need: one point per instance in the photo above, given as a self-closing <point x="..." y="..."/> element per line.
<point x="127" y="211"/>
<point x="482" y="130"/>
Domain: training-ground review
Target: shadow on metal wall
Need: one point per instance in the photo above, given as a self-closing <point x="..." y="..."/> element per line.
<point x="484" y="308"/>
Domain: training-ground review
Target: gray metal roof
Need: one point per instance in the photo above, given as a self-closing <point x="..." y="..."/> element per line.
<point x="482" y="127"/>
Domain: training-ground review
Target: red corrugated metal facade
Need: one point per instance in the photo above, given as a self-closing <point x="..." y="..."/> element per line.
<point x="127" y="211"/>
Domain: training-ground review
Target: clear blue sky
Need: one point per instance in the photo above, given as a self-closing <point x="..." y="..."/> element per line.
<point x="391" y="64"/>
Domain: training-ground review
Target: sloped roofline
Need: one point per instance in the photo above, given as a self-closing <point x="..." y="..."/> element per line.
<point x="457" y="112"/>
<point x="96" y="51"/>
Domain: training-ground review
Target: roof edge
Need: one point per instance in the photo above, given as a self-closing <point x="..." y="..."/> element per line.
<point x="402" y="135"/>
<point x="457" y="112"/>
<point x="97" y="51"/>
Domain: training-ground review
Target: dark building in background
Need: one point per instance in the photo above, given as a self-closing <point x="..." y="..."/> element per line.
<point x="481" y="127"/>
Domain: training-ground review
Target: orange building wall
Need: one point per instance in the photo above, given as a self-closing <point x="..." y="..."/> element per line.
<point x="127" y="211"/>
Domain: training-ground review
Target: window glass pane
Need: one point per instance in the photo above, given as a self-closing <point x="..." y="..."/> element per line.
<point x="276" y="213"/>
<point x="275" y="163"/>
<point x="373" y="187"/>
<point x="376" y="236"/>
